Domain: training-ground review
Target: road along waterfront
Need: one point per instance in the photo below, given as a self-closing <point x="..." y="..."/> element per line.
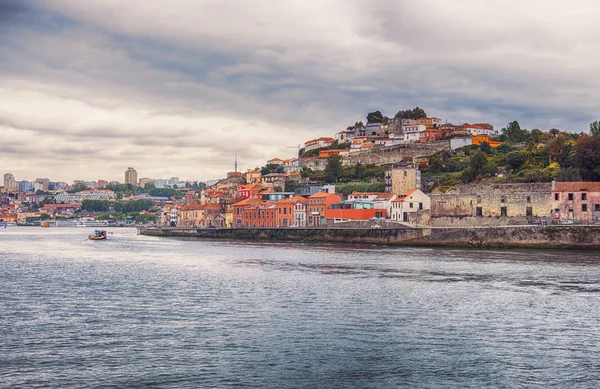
<point x="141" y="311"/>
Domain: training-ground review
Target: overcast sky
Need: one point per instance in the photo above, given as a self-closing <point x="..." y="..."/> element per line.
<point x="176" y="88"/>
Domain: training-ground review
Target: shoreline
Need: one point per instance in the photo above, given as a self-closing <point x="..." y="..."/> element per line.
<point x="519" y="237"/>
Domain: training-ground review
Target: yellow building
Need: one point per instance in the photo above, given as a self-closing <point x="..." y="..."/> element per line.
<point x="253" y="176"/>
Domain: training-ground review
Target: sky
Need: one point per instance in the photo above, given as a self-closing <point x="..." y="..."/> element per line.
<point x="178" y="88"/>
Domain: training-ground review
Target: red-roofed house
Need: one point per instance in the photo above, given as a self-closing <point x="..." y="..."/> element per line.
<point x="578" y="201"/>
<point x="317" y="205"/>
<point x="412" y="201"/>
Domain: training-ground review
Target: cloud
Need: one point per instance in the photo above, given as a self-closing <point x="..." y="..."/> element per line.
<point x="178" y="88"/>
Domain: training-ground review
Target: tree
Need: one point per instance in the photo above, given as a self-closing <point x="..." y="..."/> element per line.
<point x="486" y="148"/>
<point x="556" y="148"/>
<point x="587" y="157"/>
<point x="333" y="170"/>
<point x="515" y="160"/>
<point x="554" y="132"/>
<point x="595" y="128"/>
<point x="568" y="175"/>
<point x="374" y="117"/>
<point x="271" y="168"/>
<point x="149" y="185"/>
<point x="513" y="133"/>
<point x="415" y="113"/>
<point x="478" y="162"/>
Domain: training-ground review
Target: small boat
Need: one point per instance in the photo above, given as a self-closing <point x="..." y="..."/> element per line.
<point x="46" y="224"/>
<point x="98" y="235"/>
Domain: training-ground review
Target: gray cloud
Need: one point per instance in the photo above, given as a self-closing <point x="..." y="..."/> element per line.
<point x="120" y="81"/>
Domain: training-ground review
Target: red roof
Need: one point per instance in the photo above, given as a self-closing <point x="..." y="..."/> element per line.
<point x="577" y="186"/>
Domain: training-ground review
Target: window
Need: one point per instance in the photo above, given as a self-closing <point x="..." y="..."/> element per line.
<point x="479" y="211"/>
<point x="584" y="196"/>
<point x="570" y="210"/>
<point x="503" y="211"/>
<point x="556" y="196"/>
<point x="404" y="174"/>
<point x="529" y="211"/>
<point x="529" y="199"/>
<point x="502" y="199"/>
<point x="583" y="207"/>
<point x="420" y="205"/>
<point x="478" y="199"/>
<point x="410" y="205"/>
<point x="570" y="196"/>
<point x="597" y="207"/>
<point x="556" y="210"/>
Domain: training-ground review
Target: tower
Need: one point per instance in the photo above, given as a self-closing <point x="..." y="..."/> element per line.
<point x="235" y="164"/>
<point x="131" y="176"/>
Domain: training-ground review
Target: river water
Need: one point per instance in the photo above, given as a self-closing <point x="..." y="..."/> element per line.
<point x="147" y="312"/>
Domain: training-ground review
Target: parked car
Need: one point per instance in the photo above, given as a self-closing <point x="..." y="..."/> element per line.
<point x="566" y="221"/>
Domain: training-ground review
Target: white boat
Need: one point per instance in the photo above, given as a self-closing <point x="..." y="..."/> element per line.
<point x="90" y="222"/>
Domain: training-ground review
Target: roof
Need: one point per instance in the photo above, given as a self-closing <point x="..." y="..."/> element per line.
<point x="320" y="194"/>
<point x="57" y="206"/>
<point x="248" y="201"/>
<point x="294" y="199"/>
<point x="403" y="197"/>
<point x="578" y="186"/>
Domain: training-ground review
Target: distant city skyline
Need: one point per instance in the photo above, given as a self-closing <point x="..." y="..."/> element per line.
<point x="89" y="88"/>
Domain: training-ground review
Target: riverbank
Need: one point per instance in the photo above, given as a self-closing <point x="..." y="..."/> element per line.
<point x="555" y="237"/>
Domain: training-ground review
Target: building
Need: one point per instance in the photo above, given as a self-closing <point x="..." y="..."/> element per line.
<point x="578" y="201"/>
<point x="41" y="184"/>
<point x="317" y="205"/>
<point x="25" y="186"/>
<point x="65" y="210"/>
<point x="10" y="184"/>
<point x="409" y="203"/>
<point x="520" y="201"/>
<point x="379" y="200"/>
<point x="353" y="210"/>
<point x="92" y="194"/>
<point x="413" y="133"/>
<point x="402" y="178"/>
<point x="318" y="143"/>
<point x="253" y="176"/>
<point x="479" y="129"/>
<point x="146" y="181"/>
<point x="131" y="176"/>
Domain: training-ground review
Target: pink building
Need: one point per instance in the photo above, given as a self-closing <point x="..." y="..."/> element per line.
<point x="578" y="201"/>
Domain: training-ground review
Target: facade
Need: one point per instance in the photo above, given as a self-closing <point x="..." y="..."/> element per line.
<point x="10" y="184"/>
<point x="60" y="209"/>
<point x="479" y="129"/>
<point x="525" y="200"/>
<point x="353" y="210"/>
<point x="190" y="216"/>
<point x="577" y="201"/>
<point x="253" y="176"/>
<point x="318" y="143"/>
<point x="402" y="178"/>
<point x="78" y="197"/>
<point x="131" y="176"/>
<point x="317" y="206"/>
<point x="412" y="201"/>
<point x="413" y="133"/>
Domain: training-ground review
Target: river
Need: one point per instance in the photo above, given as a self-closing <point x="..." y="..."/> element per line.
<point x="145" y="312"/>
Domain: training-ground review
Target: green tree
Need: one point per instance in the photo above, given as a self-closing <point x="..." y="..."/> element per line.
<point x="271" y="168"/>
<point x="374" y="117"/>
<point x="333" y="170"/>
<point x="486" y="148"/>
<point x="415" y="113"/>
<point x="595" y="128"/>
<point x="513" y="133"/>
<point x="587" y="157"/>
<point x="515" y="160"/>
<point x="570" y="174"/>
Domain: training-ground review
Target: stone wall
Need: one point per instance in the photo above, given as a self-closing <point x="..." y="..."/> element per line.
<point x="395" y="154"/>
<point x="573" y="237"/>
<point x="494" y="200"/>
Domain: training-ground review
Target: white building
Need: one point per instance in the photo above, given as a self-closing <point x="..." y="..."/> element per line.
<point x="380" y="200"/>
<point x="412" y="134"/>
<point x="71" y="198"/>
<point x="318" y="143"/>
<point x="411" y="201"/>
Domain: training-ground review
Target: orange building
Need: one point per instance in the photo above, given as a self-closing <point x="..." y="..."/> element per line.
<point x="479" y="139"/>
<point x="327" y="153"/>
<point x="317" y="205"/>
